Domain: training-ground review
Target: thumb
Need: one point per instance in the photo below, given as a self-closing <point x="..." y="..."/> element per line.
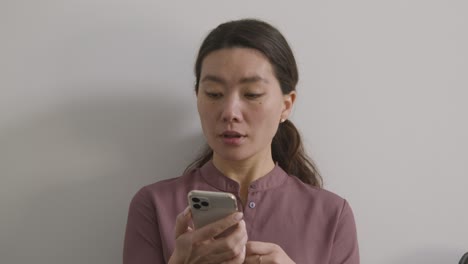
<point x="183" y="222"/>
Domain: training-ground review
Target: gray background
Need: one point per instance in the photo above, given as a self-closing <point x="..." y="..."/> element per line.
<point x="96" y="100"/>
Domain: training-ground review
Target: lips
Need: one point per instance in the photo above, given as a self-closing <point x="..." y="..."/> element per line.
<point x="231" y="138"/>
<point x="232" y="134"/>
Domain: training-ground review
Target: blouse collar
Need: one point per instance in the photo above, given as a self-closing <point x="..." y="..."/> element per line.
<point x="217" y="179"/>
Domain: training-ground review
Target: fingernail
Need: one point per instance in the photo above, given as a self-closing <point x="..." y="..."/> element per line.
<point x="238" y="216"/>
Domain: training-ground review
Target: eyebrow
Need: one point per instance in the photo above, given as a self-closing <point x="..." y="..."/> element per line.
<point x="212" y="78"/>
<point x="249" y="79"/>
<point x="253" y="79"/>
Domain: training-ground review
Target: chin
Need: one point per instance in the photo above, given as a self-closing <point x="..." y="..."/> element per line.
<point x="232" y="155"/>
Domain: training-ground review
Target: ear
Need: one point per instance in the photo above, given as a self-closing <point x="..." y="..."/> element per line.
<point x="288" y="102"/>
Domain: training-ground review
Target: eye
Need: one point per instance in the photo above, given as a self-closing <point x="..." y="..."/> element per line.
<point x="253" y="95"/>
<point x="213" y="95"/>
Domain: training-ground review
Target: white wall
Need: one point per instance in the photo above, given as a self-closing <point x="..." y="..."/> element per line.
<point x="96" y="100"/>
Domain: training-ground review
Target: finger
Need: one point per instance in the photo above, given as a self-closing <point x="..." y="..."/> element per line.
<point x="260" y="248"/>
<point x="209" y="256"/>
<point x="182" y="222"/>
<point x="239" y="259"/>
<point x="211" y="230"/>
<point x="232" y="245"/>
<point x="227" y="259"/>
<point x="230" y="249"/>
<point x="256" y="259"/>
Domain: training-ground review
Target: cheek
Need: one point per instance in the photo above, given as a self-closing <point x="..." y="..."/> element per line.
<point x="266" y="112"/>
<point x="264" y="122"/>
<point x="205" y="111"/>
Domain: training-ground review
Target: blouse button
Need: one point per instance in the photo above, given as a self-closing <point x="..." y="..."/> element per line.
<point x="252" y="205"/>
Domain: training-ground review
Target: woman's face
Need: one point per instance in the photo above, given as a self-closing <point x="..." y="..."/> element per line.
<point x="240" y="103"/>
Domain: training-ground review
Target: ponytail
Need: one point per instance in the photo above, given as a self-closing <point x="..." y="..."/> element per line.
<point x="288" y="151"/>
<point x="205" y="155"/>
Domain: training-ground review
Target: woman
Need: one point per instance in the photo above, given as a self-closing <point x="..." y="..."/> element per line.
<point x="245" y="84"/>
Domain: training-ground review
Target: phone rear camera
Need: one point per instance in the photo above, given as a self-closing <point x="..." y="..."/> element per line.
<point x="195" y="200"/>
<point x="196" y="206"/>
<point x="205" y="203"/>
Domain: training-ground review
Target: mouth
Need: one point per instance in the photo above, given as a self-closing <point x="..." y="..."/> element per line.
<point x="231" y="134"/>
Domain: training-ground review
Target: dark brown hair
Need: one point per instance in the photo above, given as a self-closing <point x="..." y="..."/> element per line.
<point x="286" y="147"/>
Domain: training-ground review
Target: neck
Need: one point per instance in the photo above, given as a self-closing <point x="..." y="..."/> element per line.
<point x="244" y="171"/>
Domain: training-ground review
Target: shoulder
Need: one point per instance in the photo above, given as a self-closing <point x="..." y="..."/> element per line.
<point x="169" y="187"/>
<point x="164" y="199"/>
<point x="313" y="191"/>
<point x="321" y="199"/>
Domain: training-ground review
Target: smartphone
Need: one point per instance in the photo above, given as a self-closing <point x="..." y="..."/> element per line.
<point x="208" y="207"/>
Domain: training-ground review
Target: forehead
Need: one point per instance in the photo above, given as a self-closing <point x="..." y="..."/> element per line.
<point x="237" y="63"/>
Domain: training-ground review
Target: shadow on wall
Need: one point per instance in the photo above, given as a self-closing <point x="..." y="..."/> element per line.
<point x="68" y="174"/>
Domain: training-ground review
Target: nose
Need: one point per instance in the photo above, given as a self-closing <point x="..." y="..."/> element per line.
<point x="231" y="112"/>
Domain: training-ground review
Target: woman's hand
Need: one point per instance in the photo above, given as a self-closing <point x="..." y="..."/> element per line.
<point x="266" y="253"/>
<point x="200" y="246"/>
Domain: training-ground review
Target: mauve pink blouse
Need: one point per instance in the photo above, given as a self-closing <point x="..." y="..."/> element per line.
<point x="312" y="225"/>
